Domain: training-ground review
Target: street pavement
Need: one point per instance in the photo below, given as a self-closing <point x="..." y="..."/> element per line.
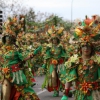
<point x="44" y="94"/>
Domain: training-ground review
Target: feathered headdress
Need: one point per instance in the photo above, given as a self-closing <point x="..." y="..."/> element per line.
<point x="55" y="31"/>
<point x="13" y="26"/>
<point x="88" y="31"/>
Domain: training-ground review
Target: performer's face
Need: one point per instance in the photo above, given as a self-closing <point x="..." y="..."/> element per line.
<point x="7" y="40"/>
<point x="86" y="50"/>
<point x="54" y="41"/>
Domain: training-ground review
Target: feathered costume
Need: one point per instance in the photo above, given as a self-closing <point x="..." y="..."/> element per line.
<point x="15" y="85"/>
<point x="85" y="73"/>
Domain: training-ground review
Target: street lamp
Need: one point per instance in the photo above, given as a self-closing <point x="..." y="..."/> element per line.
<point x="71" y="11"/>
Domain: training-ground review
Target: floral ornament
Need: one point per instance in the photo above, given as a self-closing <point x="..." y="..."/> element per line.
<point x="60" y="30"/>
<point x="5" y="70"/>
<point x="85" y="87"/>
<point x="97" y="59"/>
<point x="8" y="48"/>
<point x="54" y="61"/>
<point x="73" y="59"/>
<point x="88" y="31"/>
<point x="12" y="26"/>
<point x="55" y="31"/>
<point x="61" y="61"/>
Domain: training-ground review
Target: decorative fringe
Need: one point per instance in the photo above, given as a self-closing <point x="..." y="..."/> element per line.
<point x="13" y="77"/>
<point x="59" y="67"/>
<point x="17" y="78"/>
<point x="20" y="74"/>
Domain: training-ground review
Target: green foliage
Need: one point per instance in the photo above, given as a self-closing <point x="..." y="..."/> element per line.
<point x="52" y="20"/>
<point x="30" y="16"/>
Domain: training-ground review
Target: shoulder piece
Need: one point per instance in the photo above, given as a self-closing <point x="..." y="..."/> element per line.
<point x="49" y="45"/>
<point x="72" y="60"/>
<point x="96" y="58"/>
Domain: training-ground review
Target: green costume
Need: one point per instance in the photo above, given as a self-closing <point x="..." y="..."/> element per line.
<point x="86" y="76"/>
<point x="14" y="71"/>
<point x="84" y="70"/>
<point x="55" y="57"/>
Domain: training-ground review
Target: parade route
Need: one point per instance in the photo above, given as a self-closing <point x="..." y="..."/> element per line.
<point x="44" y="94"/>
<point x="40" y="92"/>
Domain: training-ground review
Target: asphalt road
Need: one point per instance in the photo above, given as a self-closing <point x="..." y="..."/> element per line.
<point x="44" y="94"/>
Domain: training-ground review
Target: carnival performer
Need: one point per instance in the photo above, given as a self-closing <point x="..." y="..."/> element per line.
<point x="15" y="84"/>
<point x="54" y="57"/>
<point x="83" y="68"/>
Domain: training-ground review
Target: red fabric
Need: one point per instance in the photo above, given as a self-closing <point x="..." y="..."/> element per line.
<point x="13" y="91"/>
<point x="95" y="85"/>
<point x="55" y="62"/>
<point x="15" y="67"/>
<point x="54" y="88"/>
<point x="33" y="80"/>
<point x="33" y="73"/>
<point x="61" y="60"/>
<point x="67" y="91"/>
<point x="14" y="94"/>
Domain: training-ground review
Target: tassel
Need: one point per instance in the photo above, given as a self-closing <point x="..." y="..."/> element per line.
<point x="13" y="77"/>
<point x="20" y="75"/>
<point x="17" y="77"/>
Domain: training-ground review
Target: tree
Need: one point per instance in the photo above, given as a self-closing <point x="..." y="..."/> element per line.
<point x="30" y="15"/>
<point x="12" y="8"/>
<point x="40" y="17"/>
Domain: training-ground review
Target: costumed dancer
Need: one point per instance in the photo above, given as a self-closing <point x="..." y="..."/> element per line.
<point x="83" y="68"/>
<point x="54" y="58"/>
<point x="15" y="84"/>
